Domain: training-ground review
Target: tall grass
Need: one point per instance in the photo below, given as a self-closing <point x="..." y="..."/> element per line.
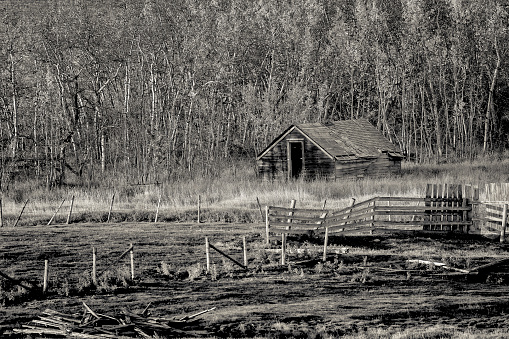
<point x="236" y="189"/>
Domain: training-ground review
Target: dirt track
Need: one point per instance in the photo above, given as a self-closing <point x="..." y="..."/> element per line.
<point x="367" y="288"/>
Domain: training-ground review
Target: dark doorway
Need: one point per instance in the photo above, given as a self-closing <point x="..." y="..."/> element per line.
<point x="296" y="159"/>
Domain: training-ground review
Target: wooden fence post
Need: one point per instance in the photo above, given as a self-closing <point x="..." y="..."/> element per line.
<point x="292" y="206"/>
<point x="45" y="278"/>
<point x="111" y="207"/>
<point x="373" y="215"/>
<point x="70" y="210"/>
<point x="94" y="266"/>
<point x="199" y="209"/>
<point x="464" y="216"/>
<point x="19" y="216"/>
<point x="227" y="256"/>
<point x="325" y="243"/>
<point x="157" y="210"/>
<point x="283" y="248"/>
<point x="244" y="245"/>
<point x="1" y="214"/>
<point x="131" y="253"/>
<point x="54" y="214"/>
<point x="259" y="207"/>
<point x="352" y="204"/>
<point x="267" y="224"/>
<point x="504" y="222"/>
<point x="207" y="253"/>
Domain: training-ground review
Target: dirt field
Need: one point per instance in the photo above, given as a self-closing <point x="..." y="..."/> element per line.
<point x="370" y="288"/>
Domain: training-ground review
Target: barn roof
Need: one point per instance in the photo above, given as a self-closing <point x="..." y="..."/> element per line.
<point x="345" y="139"/>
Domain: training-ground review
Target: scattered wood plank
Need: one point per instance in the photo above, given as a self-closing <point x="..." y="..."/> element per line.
<point x="438" y="264"/>
<point x="16" y="281"/>
<point x="94" y="325"/>
<point x="491" y="265"/>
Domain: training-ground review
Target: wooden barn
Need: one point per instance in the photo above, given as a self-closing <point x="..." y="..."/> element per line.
<point x="338" y="150"/>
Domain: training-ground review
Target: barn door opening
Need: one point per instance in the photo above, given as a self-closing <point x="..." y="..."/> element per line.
<point x="295" y="158"/>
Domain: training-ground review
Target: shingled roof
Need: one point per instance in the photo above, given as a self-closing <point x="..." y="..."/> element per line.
<point x="344" y="139"/>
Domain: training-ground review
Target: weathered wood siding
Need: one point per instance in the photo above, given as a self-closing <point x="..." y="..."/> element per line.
<point x="375" y="168"/>
<point x="274" y="164"/>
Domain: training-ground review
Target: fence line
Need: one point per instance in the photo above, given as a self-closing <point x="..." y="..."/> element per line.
<point x="208" y="245"/>
<point x="281" y="220"/>
<point x="94" y="275"/>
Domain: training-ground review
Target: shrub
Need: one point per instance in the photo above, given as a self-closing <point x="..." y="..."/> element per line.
<point x="195" y="271"/>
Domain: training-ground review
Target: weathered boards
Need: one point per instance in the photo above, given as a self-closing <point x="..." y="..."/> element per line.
<point x="341" y="149"/>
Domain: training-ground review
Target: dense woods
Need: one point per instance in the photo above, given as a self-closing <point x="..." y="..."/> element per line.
<point x="151" y="90"/>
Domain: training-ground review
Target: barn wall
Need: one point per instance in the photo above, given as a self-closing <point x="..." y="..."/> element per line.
<point x="380" y="167"/>
<point x="274" y="164"/>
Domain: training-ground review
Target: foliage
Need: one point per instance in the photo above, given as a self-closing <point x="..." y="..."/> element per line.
<point x="161" y="91"/>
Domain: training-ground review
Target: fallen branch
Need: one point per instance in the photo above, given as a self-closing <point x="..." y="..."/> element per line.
<point x="196" y="314"/>
<point x="227" y="256"/>
<point x="438" y="264"/>
<point x="16" y="281"/>
<point x="116" y="261"/>
<point x="490" y="265"/>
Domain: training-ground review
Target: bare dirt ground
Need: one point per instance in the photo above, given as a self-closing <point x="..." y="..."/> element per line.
<point x="370" y="287"/>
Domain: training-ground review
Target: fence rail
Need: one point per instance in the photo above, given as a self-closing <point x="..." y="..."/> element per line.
<point x="281" y="220"/>
<point x="445" y="207"/>
<point x="381" y="212"/>
<point x="496" y="219"/>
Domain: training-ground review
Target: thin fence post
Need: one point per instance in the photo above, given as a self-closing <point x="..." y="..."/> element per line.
<point x="292" y="206"/>
<point x="111" y="207"/>
<point x="54" y="214"/>
<point x="259" y="207"/>
<point x="1" y="214"/>
<point x="389" y="205"/>
<point x="94" y="266"/>
<point x="504" y="222"/>
<point x="283" y="248"/>
<point x="70" y="210"/>
<point x="464" y="216"/>
<point x="373" y="213"/>
<point x="352" y="204"/>
<point x="207" y="253"/>
<point x="45" y="278"/>
<point x="131" y="253"/>
<point x="199" y="208"/>
<point x="325" y="243"/>
<point x="157" y="210"/>
<point x="267" y="224"/>
<point x="324" y="203"/>
<point x="244" y="245"/>
<point x="21" y="213"/>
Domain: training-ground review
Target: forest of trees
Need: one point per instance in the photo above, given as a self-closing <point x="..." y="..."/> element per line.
<point x="151" y="89"/>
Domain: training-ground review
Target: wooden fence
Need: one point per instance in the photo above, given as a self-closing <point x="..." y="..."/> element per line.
<point x="444" y="208"/>
<point x="451" y="196"/>
<point x="495" y="209"/>
<point x="402" y="213"/>
<point x="496" y="219"/>
<point x="281" y="220"/>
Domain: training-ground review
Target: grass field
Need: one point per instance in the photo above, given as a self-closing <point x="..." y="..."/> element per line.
<point x="372" y="291"/>
<point x="356" y="294"/>
<point x="232" y="196"/>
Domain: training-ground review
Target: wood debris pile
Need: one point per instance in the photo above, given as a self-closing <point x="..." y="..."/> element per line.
<point x="495" y="267"/>
<point x="125" y="325"/>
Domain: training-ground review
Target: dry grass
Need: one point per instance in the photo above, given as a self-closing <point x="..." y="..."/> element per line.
<point x="232" y="196"/>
